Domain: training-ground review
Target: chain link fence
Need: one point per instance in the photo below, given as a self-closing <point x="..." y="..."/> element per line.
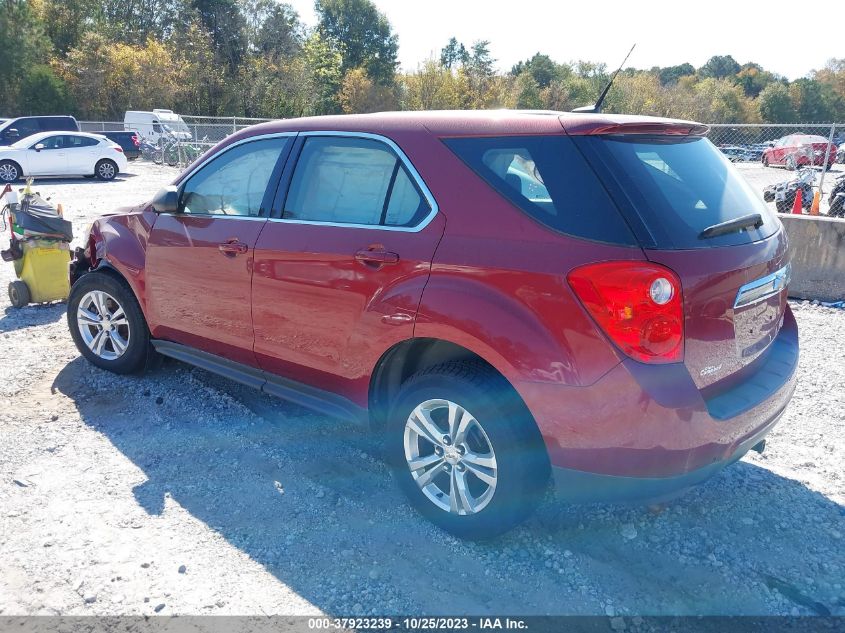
<point x="765" y="154"/>
<point x="770" y="154"/>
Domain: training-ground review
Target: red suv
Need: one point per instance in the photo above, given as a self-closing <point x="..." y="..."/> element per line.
<point x="500" y="296"/>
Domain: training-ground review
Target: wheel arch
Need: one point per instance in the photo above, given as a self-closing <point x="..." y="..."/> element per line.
<point x="411" y="356"/>
<point x="21" y="172"/>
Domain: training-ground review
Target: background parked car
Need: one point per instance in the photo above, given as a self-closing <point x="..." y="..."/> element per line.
<point x="64" y="154"/>
<point x="798" y="150"/>
<point x="737" y="154"/>
<point x="17" y="129"/>
<point x="128" y="140"/>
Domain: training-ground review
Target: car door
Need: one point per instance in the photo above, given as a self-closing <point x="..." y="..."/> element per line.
<point x="199" y="260"/>
<point x="340" y="270"/>
<point x="50" y="159"/>
<point x="82" y="153"/>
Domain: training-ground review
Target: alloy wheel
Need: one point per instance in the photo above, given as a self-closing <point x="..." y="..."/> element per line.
<point x="103" y="325"/>
<point x="8" y="173"/>
<point x="450" y="457"/>
<point x="106" y="170"/>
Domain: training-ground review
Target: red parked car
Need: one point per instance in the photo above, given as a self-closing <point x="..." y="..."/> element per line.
<point x="799" y="150"/>
<point x="500" y="296"/>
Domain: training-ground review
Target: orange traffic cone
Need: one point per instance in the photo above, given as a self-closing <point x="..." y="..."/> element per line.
<point x="814" y="209"/>
<point x="796" y="206"/>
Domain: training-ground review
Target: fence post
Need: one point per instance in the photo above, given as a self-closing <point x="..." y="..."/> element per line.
<point x="826" y="157"/>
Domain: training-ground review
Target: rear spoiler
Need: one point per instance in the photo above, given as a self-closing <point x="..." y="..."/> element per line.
<point x="594" y="126"/>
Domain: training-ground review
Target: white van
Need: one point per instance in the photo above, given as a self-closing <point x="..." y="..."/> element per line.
<point x="156" y="125"/>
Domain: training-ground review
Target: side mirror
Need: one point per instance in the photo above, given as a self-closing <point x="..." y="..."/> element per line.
<point x="13" y="133"/>
<point x="38" y="147"/>
<point x="166" y="200"/>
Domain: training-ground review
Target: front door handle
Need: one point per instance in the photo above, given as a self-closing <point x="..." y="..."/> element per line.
<point x="376" y="255"/>
<point x="233" y="247"/>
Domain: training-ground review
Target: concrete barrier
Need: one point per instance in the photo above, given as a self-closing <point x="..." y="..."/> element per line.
<point x="818" y="256"/>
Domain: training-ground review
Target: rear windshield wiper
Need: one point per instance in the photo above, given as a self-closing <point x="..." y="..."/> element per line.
<point x="752" y="220"/>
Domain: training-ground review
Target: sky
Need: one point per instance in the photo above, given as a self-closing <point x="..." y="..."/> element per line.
<point x="784" y="37"/>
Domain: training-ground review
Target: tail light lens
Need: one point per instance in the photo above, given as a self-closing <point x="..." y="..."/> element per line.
<point x="637" y="304"/>
<point x="118" y="149"/>
<point x="136" y="142"/>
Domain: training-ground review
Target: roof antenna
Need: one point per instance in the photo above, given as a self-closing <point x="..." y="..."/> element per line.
<point x="596" y="107"/>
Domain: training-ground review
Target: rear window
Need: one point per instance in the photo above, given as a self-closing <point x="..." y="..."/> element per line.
<point x="675" y="187"/>
<point x="548" y="178"/>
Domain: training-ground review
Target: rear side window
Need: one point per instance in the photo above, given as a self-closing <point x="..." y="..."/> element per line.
<point x="679" y="186"/>
<point x="348" y="180"/>
<point x="549" y="179"/>
<point x="79" y="141"/>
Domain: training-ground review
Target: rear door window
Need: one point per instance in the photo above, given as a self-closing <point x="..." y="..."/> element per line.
<point x="676" y="187"/>
<point x="548" y="179"/>
<point x="347" y="180"/>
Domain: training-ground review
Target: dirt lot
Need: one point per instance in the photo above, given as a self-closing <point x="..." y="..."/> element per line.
<point x="177" y="492"/>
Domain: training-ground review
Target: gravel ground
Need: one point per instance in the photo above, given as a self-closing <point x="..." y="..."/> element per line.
<point x="177" y="492"/>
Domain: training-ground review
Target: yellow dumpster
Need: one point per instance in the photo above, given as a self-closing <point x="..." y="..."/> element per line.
<point x="42" y="273"/>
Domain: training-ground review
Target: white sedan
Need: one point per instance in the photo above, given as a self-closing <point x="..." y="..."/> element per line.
<point x="62" y="154"/>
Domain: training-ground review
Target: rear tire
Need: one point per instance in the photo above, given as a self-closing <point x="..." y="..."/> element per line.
<point x="481" y="465"/>
<point x="19" y="293"/>
<point x="106" y="323"/>
<point x="106" y="170"/>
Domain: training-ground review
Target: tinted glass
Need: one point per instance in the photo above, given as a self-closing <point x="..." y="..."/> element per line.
<point x="25" y="127"/>
<point x="353" y="181"/>
<point x="235" y="182"/>
<point x="79" y="141"/>
<point x="548" y="178"/>
<point x="52" y="142"/>
<point x="64" y="124"/>
<point x="680" y="186"/>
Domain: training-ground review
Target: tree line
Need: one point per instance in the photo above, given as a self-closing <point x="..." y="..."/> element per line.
<point x="255" y="58"/>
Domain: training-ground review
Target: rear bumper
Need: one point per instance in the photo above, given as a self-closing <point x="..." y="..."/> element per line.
<point x="581" y="486"/>
<point x="642" y="431"/>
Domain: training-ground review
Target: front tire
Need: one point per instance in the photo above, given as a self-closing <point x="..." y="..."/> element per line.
<point x="107" y="325"/>
<point x="465" y="451"/>
<point x="9" y="171"/>
<point x="106" y="169"/>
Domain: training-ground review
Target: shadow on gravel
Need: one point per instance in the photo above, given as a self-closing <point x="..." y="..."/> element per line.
<point x="31" y="316"/>
<point x="308" y="499"/>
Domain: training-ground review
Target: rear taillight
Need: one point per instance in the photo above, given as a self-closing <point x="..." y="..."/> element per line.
<point x="136" y="141"/>
<point x="637" y="304"/>
<point x="118" y="149"/>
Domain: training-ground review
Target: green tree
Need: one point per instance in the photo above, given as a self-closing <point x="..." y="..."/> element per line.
<point x="281" y="33"/>
<point x="433" y="87"/>
<point x="324" y="63"/>
<point x="752" y="78"/>
<point x="42" y="92"/>
<point x="359" y="93"/>
<point x="66" y="20"/>
<point x="812" y="100"/>
<point x="775" y="104"/>
<point x="362" y="36"/>
<point x="670" y="75"/>
<point x="227" y="27"/>
<point x="24" y="45"/>
<point x="541" y="68"/>
<point x="527" y="92"/>
<point x="719" y="67"/>
<point x="454" y="54"/>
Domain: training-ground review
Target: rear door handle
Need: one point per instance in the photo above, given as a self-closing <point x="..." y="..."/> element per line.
<point x="377" y="256"/>
<point x="233" y="247"/>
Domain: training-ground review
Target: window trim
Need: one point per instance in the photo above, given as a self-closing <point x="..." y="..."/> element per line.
<point x="406" y="163"/>
<point x="185" y="176"/>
